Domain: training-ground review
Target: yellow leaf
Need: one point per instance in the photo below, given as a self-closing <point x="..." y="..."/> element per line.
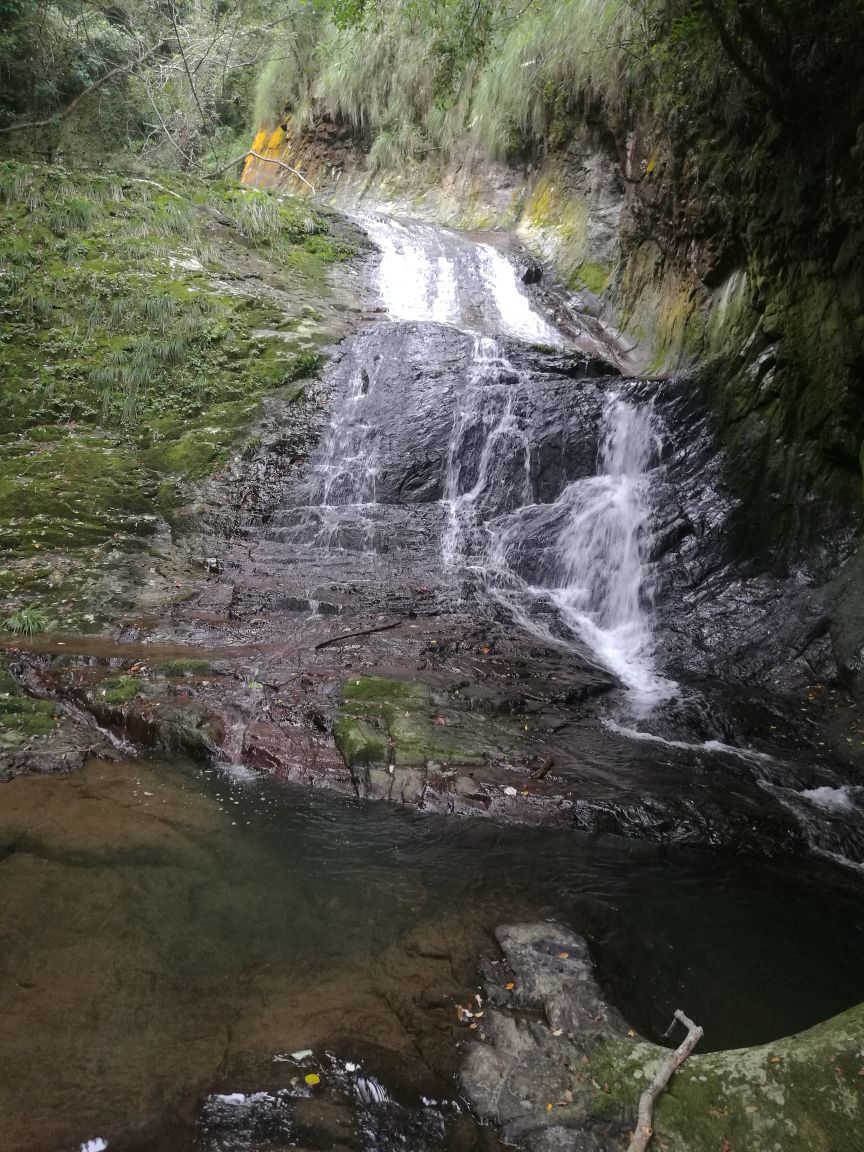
<point x="312" y="1079"/>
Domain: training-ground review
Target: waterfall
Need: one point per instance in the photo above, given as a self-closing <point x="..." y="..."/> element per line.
<point x="429" y="274"/>
<point x="604" y="592"/>
<point x="572" y="570"/>
<point x="474" y="486"/>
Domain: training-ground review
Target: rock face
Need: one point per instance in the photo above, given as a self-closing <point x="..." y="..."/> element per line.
<point x="735" y="282"/>
<point x="560" y="1070"/>
<point x="349" y="655"/>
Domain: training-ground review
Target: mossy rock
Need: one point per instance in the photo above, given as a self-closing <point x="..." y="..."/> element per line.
<point x="127" y="372"/>
<point x="359" y="743"/>
<point x="379" y="690"/>
<point x="406" y="723"/>
<point x="183" y="666"/>
<point x="20" y="716"/>
<point x="120" y="689"/>
<point x="804" y="1093"/>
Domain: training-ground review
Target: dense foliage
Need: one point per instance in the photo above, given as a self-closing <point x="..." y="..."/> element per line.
<point x="169" y="83"/>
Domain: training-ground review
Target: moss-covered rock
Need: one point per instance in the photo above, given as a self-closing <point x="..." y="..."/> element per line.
<point x="141" y="323"/>
<point x="21" y="717"/>
<point x="581" y="1070"/>
<point x="408" y="724"/>
<point x="120" y="690"/>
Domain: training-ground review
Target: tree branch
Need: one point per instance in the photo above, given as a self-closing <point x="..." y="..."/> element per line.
<point x="737" y="56"/>
<point x="72" y="105"/>
<point x="267" y="160"/>
<point x="353" y="635"/>
<point x="668" y="1066"/>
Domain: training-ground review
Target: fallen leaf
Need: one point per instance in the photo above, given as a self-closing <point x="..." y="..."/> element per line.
<point x="312" y="1079"/>
<point x="775" y="1059"/>
<point x="548" y="1107"/>
<point x="557" y="1031"/>
<point x="510" y="986"/>
<point x="563" y="955"/>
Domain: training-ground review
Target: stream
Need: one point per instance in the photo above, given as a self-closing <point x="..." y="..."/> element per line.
<point x="208" y="958"/>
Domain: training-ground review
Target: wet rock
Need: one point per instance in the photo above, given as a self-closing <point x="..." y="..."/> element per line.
<point x="847" y="621"/>
<point x="560" y="1069"/>
<point x="531" y="274"/>
<point x="296" y="754"/>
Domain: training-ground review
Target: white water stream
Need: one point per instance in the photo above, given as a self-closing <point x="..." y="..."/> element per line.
<point x="429" y="274"/>
<point x="572" y="571"/>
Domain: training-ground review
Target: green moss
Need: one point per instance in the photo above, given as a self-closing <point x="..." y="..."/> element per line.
<point x="407" y="723"/>
<point x="359" y="743"/>
<point x="19" y="714"/>
<point x="594" y="277"/>
<point x="183" y="667"/>
<point x="120" y="690"/>
<point x="377" y="689"/>
<point x="121" y="361"/>
<point x="802" y="1094"/>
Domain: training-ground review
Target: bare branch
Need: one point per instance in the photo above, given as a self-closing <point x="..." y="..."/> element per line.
<point x="186" y="65"/>
<point x="72" y="105"/>
<point x="267" y="160"/>
<point x="668" y="1066"/>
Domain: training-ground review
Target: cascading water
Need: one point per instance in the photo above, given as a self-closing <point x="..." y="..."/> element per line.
<point x="594" y="572"/>
<point x="570" y="569"/>
<point x="428" y="274"/>
<point x="475" y="486"/>
<point x="591" y="570"/>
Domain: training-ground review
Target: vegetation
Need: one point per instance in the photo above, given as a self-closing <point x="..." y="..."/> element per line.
<point x="120" y="690"/>
<point x="26" y="621"/>
<point x="128" y="367"/>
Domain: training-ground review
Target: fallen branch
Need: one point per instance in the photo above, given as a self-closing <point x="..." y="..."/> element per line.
<point x="668" y="1066"/>
<point x="267" y="160"/>
<point x="354" y="635"/>
<point x="72" y="105"/>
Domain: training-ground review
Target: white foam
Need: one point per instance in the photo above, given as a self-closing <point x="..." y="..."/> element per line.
<point x="596" y="577"/>
<point x="716" y="746"/>
<point x="430" y="274"/>
<point x="834" y="799"/>
<point x="240" y="1099"/>
<point x="518" y="318"/>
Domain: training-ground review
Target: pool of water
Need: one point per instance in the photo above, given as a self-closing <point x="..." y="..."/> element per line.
<point x="168" y="930"/>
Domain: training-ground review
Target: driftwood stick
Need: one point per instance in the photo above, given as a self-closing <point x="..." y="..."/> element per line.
<point x="354" y="635"/>
<point x="267" y="160"/>
<point x="668" y="1066"/>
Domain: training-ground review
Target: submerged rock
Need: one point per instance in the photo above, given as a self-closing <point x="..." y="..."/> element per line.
<point x="560" y="1069"/>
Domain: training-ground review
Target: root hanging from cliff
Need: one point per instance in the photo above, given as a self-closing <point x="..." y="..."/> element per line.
<point x="668" y="1066"/>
